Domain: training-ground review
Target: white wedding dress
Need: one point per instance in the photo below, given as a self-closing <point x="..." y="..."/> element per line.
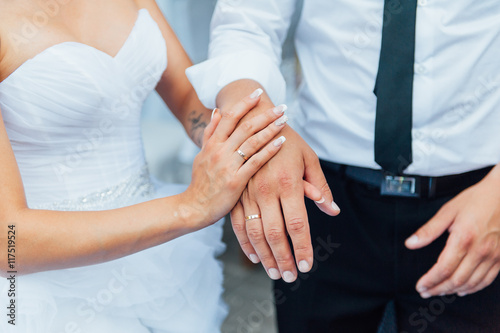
<point x="72" y="114"/>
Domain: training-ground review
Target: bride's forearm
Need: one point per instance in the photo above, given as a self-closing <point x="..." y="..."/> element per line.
<point x="47" y="240"/>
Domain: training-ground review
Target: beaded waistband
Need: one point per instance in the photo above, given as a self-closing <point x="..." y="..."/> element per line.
<point x="136" y="188"/>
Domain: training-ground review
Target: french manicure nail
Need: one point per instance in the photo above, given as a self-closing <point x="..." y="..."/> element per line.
<point x="281" y="121"/>
<point x="254" y="259"/>
<point x="335" y="206"/>
<point x="279" y="141"/>
<point x="462" y="294"/>
<point x="288" y="277"/>
<point x="304" y="266"/>
<point x="213" y="112"/>
<point x="256" y="93"/>
<point x="274" y="274"/>
<point x="280" y="109"/>
<point x="320" y="201"/>
<point x="413" y="240"/>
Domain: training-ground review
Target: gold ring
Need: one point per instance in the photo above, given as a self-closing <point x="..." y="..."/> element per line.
<point x="242" y="154"/>
<point x="252" y="217"/>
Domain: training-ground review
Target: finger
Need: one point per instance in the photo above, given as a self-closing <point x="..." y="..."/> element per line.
<point x="434" y="228"/>
<point x="276" y="236"/>
<point x="239" y="228"/>
<point x="210" y="129"/>
<point x="273" y="120"/>
<point x="476" y="278"/>
<point x="232" y="116"/>
<point x="311" y="192"/>
<point x="490" y="277"/>
<point x="259" y="140"/>
<point x="256" y="161"/>
<point x="314" y="175"/>
<point x="459" y="279"/>
<point x="294" y="211"/>
<point x="448" y="262"/>
<point x="255" y="232"/>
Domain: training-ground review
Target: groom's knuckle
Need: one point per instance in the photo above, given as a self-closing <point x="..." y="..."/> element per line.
<point x="238" y="228"/>
<point x="296" y="225"/>
<point x="255" y="235"/>
<point x="284" y="259"/>
<point x="458" y="281"/>
<point x="445" y="272"/>
<point x="465" y="240"/>
<point x="286" y="182"/>
<point x="274" y="235"/>
<point x="263" y="187"/>
<point x="485" y="250"/>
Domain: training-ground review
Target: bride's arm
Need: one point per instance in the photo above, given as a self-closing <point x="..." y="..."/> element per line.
<point x="46" y="240"/>
<point x="174" y="87"/>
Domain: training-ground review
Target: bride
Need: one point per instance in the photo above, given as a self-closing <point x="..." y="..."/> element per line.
<point x="89" y="241"/>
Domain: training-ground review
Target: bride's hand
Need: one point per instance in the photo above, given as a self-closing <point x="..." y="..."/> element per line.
<point x="229" y="157"/>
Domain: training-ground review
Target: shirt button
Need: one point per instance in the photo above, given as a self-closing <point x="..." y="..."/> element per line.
<point x="421" y="69"/>
<point x="422" y="2"/>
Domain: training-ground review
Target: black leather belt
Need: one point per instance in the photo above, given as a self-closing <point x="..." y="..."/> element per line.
<point x="410" y="185"/>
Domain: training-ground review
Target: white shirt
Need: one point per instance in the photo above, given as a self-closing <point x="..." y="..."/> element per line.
<point x="456" y="99"/>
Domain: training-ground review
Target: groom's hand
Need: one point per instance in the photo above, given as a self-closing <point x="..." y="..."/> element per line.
<point x="277" y="192"/>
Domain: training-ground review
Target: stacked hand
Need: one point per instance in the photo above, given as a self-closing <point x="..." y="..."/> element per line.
<point x="230" y="156"/>
<point x="276" y="195"/>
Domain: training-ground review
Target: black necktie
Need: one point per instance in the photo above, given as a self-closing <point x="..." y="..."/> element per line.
<point x="394" y="86"/>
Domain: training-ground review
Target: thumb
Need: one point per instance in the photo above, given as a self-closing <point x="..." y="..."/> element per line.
<point x="314" y="182"/>
<point x="434" y="228"/>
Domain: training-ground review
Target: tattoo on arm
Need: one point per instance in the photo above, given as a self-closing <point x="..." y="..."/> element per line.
<point x="197" y="124"/>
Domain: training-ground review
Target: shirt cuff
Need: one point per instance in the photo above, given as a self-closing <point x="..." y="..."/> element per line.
<point x="209" y="77"/>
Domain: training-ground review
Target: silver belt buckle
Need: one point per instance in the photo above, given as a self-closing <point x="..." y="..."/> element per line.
<point x="400" y="186"/>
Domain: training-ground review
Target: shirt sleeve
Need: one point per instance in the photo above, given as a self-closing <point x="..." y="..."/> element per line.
<point x="246" y="43"/>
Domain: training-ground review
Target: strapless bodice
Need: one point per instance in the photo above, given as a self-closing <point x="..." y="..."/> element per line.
<point x="72" y="114"/>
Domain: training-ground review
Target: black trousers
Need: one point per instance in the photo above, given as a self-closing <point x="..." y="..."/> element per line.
<point x="361" y="264"/>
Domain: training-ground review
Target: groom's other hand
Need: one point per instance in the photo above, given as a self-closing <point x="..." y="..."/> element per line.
<point x="470" y="260"/>
<point x="276" y="193"/>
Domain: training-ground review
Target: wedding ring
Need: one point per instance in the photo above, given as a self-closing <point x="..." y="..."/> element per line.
<point x="242" y="154"/>
<point x="252" y="217"/>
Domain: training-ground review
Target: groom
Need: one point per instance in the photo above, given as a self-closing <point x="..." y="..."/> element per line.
<point x="401" y="102"/>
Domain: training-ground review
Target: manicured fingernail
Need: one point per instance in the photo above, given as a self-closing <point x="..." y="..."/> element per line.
<point x="279" y="141"/>
<point x="256" y="93"/>
<point x="213" y="112"/>
<point x="462" y="294"/>
<point x="280" y="109"/>
<point x="288" y="277"/>
<point x="282" y="121"/>
<point x="413" y="240"/>
<point x="425" y="295"/>
<point x="274" y="274"/>
<point x="335" y="206"/>
<point x="320" y="201"/>
<point x="254" y="258"/>
<point x="304" y="266"/>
